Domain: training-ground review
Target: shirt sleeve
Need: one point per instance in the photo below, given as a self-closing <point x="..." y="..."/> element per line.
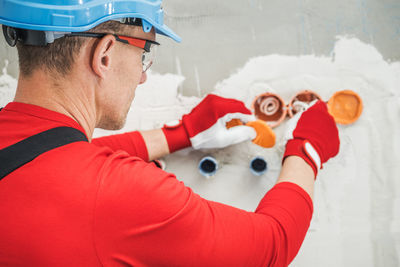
<point x="146" y="217"/>
<point x="131" y="142"/>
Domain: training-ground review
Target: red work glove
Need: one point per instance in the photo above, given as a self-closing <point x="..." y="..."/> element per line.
<point x="205" y="125"/>
<point x="313" y="136"/>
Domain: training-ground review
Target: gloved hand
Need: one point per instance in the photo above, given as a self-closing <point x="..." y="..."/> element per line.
<point x="313" y="136"/>
<point x="205" y="125"/>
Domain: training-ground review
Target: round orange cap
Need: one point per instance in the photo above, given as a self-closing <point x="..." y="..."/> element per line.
<point x="265" y="136"/>
<point x="345" y="106"/>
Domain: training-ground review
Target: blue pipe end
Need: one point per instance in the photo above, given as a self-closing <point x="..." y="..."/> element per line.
<point x="208" y="166"/>
<point x="258" y="166"/>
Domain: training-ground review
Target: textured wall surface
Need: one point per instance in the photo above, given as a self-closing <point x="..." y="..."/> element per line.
<point x="220" y="36"/>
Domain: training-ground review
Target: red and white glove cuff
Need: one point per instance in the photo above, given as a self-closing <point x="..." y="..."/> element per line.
<point x="176" y="135"/>
<point x="305" y="150"/>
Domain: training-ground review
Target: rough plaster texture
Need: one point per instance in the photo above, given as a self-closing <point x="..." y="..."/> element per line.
<point x="220" y="36"/>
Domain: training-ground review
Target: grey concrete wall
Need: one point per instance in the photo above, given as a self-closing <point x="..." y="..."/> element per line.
<point x="220" y="36"/>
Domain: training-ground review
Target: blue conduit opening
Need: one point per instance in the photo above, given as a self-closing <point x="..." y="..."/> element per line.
<point x="208" y="166"/>
<point x="258" y="166"/>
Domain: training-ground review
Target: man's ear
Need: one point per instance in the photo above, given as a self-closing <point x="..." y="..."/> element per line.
<point x="101" y="60"/>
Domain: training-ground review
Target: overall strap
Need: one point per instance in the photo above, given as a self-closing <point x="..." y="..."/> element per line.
<point x="16" y="155"/>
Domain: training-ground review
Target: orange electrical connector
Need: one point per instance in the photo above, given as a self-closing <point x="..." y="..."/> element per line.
<point x="304" y="96"/>
<point x="345" y="106"/>
<point x="270" y="108"/>
<point x="265" y="136"/>
<point x="233" y="123"/>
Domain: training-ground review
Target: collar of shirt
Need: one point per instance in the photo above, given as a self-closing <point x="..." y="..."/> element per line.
<point x="43" y="113"/>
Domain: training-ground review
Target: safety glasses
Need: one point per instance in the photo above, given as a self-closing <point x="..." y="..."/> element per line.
<point x="148" y="46"/>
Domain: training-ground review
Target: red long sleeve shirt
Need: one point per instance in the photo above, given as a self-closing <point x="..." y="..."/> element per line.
<point x="102" y="204"/>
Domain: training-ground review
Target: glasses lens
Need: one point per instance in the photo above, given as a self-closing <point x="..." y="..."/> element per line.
<point x="148" y="58"/>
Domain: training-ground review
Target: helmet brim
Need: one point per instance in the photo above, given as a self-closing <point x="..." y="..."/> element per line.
<point x="165" y="30"/>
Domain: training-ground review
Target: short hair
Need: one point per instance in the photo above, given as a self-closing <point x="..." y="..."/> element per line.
<point x="57" y="58"/>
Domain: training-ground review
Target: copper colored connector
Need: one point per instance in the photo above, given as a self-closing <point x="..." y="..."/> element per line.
<point x="270" y="108"/>
<point x="300" y="100"/>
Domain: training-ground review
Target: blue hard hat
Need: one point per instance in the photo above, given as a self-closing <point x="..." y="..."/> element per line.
<point x="81" y="15"/>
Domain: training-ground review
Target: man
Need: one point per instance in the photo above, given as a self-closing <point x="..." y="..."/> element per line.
<point x="99" y="202"/>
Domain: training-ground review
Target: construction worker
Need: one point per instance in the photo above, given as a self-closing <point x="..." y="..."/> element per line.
<point x="69" y="200"/>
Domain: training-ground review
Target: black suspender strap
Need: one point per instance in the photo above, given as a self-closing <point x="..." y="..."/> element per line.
<point x="16" y="155"/>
